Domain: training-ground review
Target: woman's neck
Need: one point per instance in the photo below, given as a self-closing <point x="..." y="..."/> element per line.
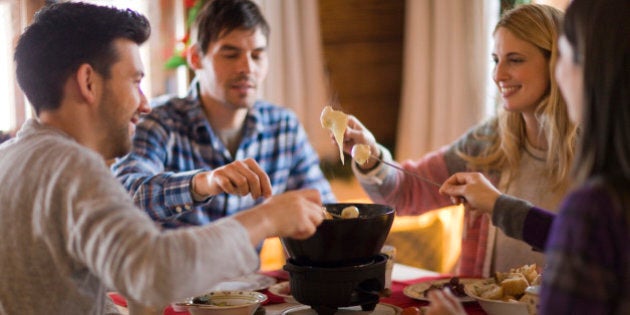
<point x="534" y="136"/>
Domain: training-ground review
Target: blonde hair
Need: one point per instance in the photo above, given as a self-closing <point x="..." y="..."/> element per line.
<point x="539" y="25"/>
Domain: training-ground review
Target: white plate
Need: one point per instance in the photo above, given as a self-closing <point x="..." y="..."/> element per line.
<point x="416" y="290"/>
<point x="380" y="309"/>
<point x="283" y="290"/>
<point x="253" y="282"/>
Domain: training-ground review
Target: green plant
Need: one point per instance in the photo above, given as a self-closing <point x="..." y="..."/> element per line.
<point x="181" y="46"/>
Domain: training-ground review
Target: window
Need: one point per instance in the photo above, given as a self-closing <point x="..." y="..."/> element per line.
<point x="12" y="108"/>
<point x="167" y="21"/>
<point x="7" y="110"/>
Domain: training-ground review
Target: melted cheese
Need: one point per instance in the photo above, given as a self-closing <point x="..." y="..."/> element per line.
<point x="350" y="212"/>
<point x="361" y="153"/>
<point x="336" y="122"/>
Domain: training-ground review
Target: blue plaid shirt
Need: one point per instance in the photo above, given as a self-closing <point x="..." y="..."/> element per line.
<point x="175" y="141"/>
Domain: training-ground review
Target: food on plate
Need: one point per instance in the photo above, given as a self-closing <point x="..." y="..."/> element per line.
<point x="456" y="287"/>
<point x="507" y="286"/>
<point x="205" y="300"/>
<point x="514" y="285"/>
<point x="361" y="153"/>
<point x="350" y="212"/>
<point x="336" y="122"/>
<point x="530" y="273"/>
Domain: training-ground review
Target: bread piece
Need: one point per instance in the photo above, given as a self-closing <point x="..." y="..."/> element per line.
<point x="529" y="271"/>
<point x="492" y="292"/>
<point x="514" y="285"/>
<point x="500" y="276"/>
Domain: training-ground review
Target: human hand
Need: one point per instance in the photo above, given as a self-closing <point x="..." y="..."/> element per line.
<point x="474" y="189"/>
<point x="355" y="134"/>
<point x="241" y="177"/>
<point x="294" y="214"/>
<point x="443" y="302"/>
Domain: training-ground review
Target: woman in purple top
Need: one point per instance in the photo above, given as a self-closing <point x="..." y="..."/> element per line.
<point x="587" y="245"/>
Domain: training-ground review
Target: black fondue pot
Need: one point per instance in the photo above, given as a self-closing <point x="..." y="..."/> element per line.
<point x="344" y="242"/>
<point x="341" y="265"/>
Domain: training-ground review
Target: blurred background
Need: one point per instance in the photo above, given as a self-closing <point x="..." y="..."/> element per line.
<point x="417" y="73"/>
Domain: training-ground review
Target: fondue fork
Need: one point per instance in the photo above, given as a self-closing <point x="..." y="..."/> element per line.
<point x="422" y="178"/>
<point x="330" y="215"/>
<point x="459" y="200"/>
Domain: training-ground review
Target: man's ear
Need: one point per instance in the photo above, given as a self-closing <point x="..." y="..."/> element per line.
<point x="194" y="57"/>
<point x="87" y="80"/>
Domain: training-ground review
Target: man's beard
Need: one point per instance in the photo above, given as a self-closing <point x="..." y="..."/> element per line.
<point x="118" y="135"/>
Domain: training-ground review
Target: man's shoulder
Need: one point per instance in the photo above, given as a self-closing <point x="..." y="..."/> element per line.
<point x="170" y="110"/>
<point x="50" y="149"/>
<point x="170" y="103"/>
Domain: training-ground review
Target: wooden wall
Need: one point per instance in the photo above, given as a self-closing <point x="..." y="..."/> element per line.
<point x="363" y="44"/>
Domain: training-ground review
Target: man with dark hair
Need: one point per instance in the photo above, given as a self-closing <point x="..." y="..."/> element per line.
<point x="69" y="230"/>
<point x="219" y="150"/>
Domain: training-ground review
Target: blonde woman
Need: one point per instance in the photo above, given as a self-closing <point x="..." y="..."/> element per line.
<point x="526" y="150"/>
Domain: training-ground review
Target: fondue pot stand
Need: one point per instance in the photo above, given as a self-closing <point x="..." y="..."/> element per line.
<point x="325" y="289"/>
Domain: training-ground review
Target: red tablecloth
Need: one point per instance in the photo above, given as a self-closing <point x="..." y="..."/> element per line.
<point x="396" y="298"/>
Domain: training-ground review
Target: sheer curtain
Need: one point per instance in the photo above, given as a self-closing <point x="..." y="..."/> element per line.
<point x="296" y="75"/>
<point x="446" y="72"/>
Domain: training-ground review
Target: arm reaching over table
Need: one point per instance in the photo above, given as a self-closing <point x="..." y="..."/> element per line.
<point x="241" y="177"/>
<point x="517" y="218"/>
<point x="271" y="218"/>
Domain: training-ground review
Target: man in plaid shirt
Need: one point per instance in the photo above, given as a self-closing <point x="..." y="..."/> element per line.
<point x="219" y="150"/>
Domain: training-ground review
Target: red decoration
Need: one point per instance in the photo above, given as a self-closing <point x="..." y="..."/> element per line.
<point x="189" y="3"/>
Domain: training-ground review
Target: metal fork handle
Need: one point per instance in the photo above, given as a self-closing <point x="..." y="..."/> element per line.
<point x="422" y="178"/>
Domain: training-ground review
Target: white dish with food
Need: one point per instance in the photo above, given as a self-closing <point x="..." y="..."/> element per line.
<point x="526" y="305"/>
<point x="224" y="303"/>
<point x="418" y="290"/>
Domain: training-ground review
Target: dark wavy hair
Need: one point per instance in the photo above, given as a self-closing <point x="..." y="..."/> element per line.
<point x="62" y="37"/>
<point x="599" y="33"/>
<point x="219" y="17"/>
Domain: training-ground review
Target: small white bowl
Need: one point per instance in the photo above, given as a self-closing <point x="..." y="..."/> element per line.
<point x="498" y="307"/>
<point x="225" y="303"/>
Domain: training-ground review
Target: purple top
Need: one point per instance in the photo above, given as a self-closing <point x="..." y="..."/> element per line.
<point x="587" y="251"/>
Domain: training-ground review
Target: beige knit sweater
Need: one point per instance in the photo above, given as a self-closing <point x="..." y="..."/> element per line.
<point x="69" y="231"/>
